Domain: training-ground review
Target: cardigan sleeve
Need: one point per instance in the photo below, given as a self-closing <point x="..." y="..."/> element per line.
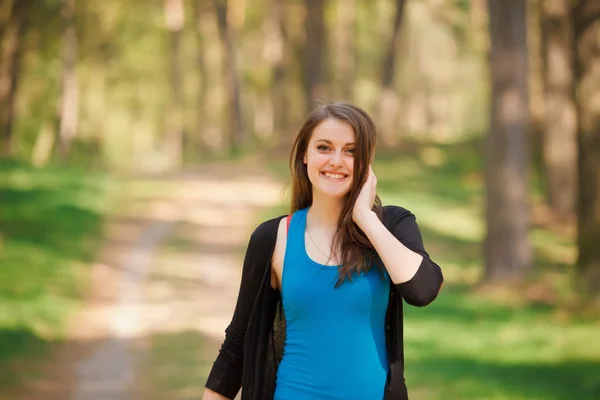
<point x="225" y="376"/>
<point x="425" y="285"/>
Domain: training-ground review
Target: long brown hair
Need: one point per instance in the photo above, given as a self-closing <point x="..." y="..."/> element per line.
<point x="356" y="253"/>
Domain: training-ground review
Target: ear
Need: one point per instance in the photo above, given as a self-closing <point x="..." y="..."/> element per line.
<point x="304" y="160"/>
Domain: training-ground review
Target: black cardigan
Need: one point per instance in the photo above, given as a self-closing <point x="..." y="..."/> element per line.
<point x="255" y="338"/>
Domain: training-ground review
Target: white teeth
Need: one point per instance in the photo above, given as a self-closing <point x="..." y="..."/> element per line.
<point x="333" y="176"/>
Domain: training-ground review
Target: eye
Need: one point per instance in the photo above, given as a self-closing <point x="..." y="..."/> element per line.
<point x="350" y="151"/>
<point x="322" y="147"/>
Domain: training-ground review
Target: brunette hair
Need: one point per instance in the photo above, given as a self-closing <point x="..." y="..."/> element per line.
<point x="356" y="253"/>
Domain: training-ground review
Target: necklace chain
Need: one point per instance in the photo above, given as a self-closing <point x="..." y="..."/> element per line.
<point x="329" y="257"/>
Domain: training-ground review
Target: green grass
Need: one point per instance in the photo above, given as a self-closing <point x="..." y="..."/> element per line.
<point x="50" y="231"/>
<point x="469" y="346"/>
<point x="466" y="347"/>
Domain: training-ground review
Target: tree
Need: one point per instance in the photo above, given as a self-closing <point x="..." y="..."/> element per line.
<point x="314" y="52"/>
<point x="389" y="104"/>
<point x="175" y="17"/>
<point x="345" y="58"/>
<point x="12" y="49"/>
<point x="201" y="67"/>
<point x="69" y="107"/>
<point x="507" y="249"/>
<point x="586" y="22"/>
<point x="280" y="61"/>
<point x="559" y="141"/>
<point x="5" y="8"/>
<point x="232" y="81"/>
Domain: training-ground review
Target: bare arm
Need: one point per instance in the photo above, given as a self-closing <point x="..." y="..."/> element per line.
<point x="401" y="262"/>
<point x="210" y="395"/>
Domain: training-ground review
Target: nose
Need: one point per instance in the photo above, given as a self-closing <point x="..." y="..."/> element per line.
<point x="336" y="159"/>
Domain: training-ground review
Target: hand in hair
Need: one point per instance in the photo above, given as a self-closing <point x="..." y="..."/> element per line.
<point x="364" y="202"/>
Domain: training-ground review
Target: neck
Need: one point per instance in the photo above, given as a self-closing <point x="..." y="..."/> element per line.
<point x="324" y="212"/>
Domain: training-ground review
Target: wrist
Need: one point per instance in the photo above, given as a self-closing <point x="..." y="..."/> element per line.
<point x="366" y="218"/>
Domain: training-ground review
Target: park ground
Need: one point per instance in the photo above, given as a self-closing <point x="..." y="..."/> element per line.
<point x="121" y="287"/>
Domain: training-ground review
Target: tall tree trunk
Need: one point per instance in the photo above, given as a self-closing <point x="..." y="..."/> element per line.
<point x="586" y="21"/>
<point x="507" y="249"/>
<point x="560" y="136"/>
<point x="279" y="39"/>
<point x="175" y="18"/>
<point x="345" y="40"/>
<point x="198" y="143"/>
<point x="69" y="107"/>
<point x="390" y="103"/>
<point x="12" y="47"/>
<point x="5" y="12"/>
<point x="537" y="96"/>
<point x="389" y="63"/>
<point x="232" y="81"/>
<point x="314" y="52"/>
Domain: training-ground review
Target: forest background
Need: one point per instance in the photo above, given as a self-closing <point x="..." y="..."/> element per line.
<point x="489" y="121"/>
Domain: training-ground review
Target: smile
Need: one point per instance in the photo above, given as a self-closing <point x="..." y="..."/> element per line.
<point x="335" y="177"/>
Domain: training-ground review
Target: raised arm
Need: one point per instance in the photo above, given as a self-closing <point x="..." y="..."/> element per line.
<point x="398" y="243"/>
<point x="400" y="246"/>
<point x="422" y="284"/>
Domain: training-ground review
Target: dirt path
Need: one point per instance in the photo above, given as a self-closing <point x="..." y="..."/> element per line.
<point x="109" y="370"/>
<point x="166" y="288"/>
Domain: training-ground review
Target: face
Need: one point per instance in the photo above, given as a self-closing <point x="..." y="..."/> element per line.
<point x="329" y="158"/>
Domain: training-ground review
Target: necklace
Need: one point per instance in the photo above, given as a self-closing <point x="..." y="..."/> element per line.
<point x="329" y="257"/>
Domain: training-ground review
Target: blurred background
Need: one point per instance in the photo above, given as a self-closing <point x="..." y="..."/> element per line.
<point x="141" y="142"/>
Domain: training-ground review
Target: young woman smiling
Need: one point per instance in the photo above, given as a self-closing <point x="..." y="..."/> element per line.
<point x="319" y="312"/>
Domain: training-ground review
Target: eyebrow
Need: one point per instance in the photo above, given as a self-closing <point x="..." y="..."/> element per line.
<point x="331" y="143"/>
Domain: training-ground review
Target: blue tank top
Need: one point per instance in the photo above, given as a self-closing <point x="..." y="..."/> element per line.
<point x="335" y="337"/>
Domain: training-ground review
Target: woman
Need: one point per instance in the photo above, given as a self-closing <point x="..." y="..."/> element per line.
<point x="319" y="312"/>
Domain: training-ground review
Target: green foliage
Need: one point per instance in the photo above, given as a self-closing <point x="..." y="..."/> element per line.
<point x="124" y="55"/>
<point x="50" y="231"/>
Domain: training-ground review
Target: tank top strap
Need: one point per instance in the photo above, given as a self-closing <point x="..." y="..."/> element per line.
<point x="295" y="235"/>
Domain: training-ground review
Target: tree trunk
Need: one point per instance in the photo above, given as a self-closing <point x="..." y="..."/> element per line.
<point x="175" y="18"/>
<point x="390" y="104"/>
<point x="69" y="107"/>
<point x="12" y="46"/>
<point x="5" y="11"/>
<point x="314" y="52"/>
<point x="507" y="249"/>
<point x="232" y="81"/>
<point x="389" y="63"/>
<point x="345" y="39"/>
<point x="560" y="136"/>
<point x="537" y="95"/>
<point x="279" y="40"/>
<point x="198" y="143"/>
<point x="44" y="143"/>
<point x="586" y="20"/>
